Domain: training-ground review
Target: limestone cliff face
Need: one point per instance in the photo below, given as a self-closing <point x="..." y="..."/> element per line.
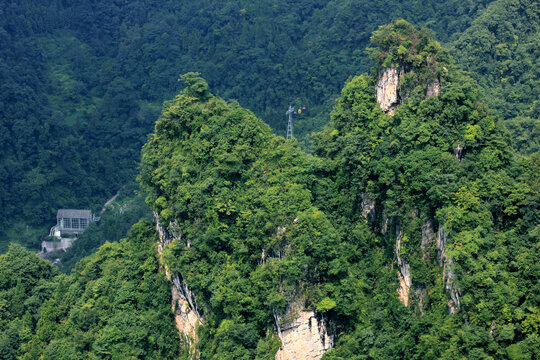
<point x="444" y="261"/>
<point x="304" y="335"/>
<point x="448" y="274"/>
<point x="427" y="238"/>
<point x="388" y="89"/>
<point x="433" y="88"/>
<point x="404" y="273"/>
<point x="368" y="208"/>
<point x="389" y="94"/>
<point x="186" y="313"/>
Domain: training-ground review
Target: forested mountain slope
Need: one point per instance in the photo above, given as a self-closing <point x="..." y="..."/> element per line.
<point x="501" y="50"/>
<point x="411" y="234"/>
<point x="83" y="82"/>
<point x="115" y="304"/>
<point x="411" y="231"/>
<point x="453" y="211"/>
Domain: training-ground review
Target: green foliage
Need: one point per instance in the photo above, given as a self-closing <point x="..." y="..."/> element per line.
<point x="26" y="281"/>
<point x="259" y="223"/>
<point x="326" y="304"/>
<point x="409" y="164"/>
<point x="115" y="304"/>
<point x="82" y="82"/>
<point x="501" y="51"/>
<point x="263" y="223"/>
<point x="196" y="86"/>
<point x="251" y="238"/>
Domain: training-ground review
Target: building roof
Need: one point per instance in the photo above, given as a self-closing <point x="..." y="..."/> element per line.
<point x="73" y="213"/>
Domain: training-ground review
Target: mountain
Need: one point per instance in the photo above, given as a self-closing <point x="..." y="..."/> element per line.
<point x="408" y="228"/>
<point x="82" y="83"/>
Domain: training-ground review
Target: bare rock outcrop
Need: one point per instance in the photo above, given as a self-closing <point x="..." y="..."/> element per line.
<point x="303" y="334"/>
<point x="433" y="88"/>
<point x="368" y="208"/>
<point x="389" y="93"/>
<point x="186" y="317"/>
<point x="446" y="262"/>
<point x="388" y="89"/>
<point x="404" y="273"/>
<point x="427" y="238"/>
<point x="458" y="152"/>
<point x="186" y="314"/>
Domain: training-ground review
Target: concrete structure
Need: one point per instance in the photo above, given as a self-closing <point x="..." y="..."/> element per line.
<point x="72" y="222"/>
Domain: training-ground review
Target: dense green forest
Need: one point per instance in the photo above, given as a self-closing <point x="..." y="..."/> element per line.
<point x="115" y="304"/>
<point x="501" y="49"/>
<point x="413" y="234"/>
<point x="263" y="223"/>
<point x="82" y="83"/>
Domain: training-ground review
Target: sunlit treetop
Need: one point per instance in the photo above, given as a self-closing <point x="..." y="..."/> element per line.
<point x="401" y="43"/>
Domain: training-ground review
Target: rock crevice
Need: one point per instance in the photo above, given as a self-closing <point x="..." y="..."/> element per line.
<point x="404" y="273"/>
<point x="446" y="262"/>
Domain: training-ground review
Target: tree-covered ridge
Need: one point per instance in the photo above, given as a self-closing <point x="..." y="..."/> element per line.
<point x="260" y="223"/>
<point x="115" y="305"/>
<point x="250" y="239"/>
<point x="501" y="51"/>
<point x="82" y="82"/>
<point x="442" y="163"/>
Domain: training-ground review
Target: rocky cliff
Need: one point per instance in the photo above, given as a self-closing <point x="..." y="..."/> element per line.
<point x="186" y="313"/>
<point x="404" y="273"/>
<point x="388" y="96"/>
<point x="448" y="274"/>
<point x="388" y="89"/>
<point x="303" y="334"/>
<point x="443" y="261"/>
<point x="433" y="88"/>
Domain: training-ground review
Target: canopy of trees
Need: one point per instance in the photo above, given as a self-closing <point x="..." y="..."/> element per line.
<point x="501" y="50"/>
<point x="115" y="304"/>
<point x="263" y="221"/>
<point x="83" y="82"/>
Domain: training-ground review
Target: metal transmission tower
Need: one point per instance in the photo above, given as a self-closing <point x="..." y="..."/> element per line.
<point x="290" y="123"/>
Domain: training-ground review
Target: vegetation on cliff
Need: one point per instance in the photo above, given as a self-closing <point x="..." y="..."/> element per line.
<point x="501" y="49"/>
<point x="260" y="223"/>
<point x="82" y="82"/>
<point x="237" y="196"/>
<point x="436" y="189"/>
<point x="443" y="161"/>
